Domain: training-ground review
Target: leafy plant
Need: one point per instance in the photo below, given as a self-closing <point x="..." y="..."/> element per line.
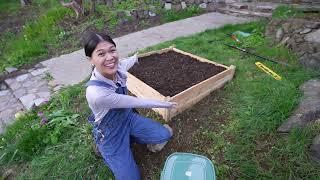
<point x="285" y="11"/>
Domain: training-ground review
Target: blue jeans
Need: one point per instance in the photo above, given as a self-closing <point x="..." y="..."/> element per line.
<point x="113" y="138"/>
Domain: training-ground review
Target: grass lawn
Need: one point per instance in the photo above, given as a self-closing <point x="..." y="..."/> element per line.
<point x="245" y="146"/>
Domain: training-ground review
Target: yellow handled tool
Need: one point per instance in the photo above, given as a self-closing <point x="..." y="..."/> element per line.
<point x="268" y="71"/>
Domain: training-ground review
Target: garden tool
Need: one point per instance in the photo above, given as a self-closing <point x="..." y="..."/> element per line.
<point x="253" y="54"/>
<point x="268" y="71"/>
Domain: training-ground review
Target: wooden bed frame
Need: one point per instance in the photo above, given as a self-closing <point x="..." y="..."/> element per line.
<point x="186" y="98"/>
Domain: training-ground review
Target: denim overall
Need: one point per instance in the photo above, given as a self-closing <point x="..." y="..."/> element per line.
<point x="117" y="130"/>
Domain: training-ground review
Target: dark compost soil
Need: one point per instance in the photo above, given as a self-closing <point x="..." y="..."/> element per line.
<point x="171" y="73"/>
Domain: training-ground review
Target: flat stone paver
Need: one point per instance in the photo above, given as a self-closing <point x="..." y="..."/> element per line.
<point x="9" y="105"/>
<point x="73" y="68"/>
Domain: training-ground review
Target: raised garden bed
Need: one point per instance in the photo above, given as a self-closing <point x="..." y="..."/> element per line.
<point x="177" y="76"/>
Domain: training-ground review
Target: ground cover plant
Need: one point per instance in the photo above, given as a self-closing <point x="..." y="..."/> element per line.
<point x="292" y="11"/>
<point x="46" y="29"/>
<point x="234" y="127"/>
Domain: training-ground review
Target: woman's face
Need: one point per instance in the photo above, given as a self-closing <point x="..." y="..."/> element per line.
<point x="105" y="58"/>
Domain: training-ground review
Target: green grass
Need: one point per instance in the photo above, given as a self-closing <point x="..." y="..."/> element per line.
<point x="34" y="41"/>
<point x="171" y="15"/>
<point x="256" y="103"/>
<point x="8" y="6"/>
<point x="286" y="11"/>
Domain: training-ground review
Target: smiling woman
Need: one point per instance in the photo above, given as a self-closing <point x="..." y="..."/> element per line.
<point x="115" y="123"/>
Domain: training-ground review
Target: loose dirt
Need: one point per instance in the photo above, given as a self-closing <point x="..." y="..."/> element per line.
<point x="171" y="73"/>
<point x="188" y="128"/>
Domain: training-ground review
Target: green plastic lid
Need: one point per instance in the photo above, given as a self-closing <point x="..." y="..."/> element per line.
<point x="187" y="166"/>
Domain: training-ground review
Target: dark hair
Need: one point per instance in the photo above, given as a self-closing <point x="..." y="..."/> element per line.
<point x="92" y="39"/>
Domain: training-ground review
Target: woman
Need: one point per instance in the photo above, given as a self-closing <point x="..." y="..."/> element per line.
<point x="116" y="125"/>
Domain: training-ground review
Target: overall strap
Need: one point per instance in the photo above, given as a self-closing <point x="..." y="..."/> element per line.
<point x="98" y="83"/>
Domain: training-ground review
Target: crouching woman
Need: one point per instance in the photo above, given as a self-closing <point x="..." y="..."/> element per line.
<point x="115" y="123"/>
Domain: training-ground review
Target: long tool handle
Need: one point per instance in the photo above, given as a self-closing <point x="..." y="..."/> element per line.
<point x="264" y="58"/>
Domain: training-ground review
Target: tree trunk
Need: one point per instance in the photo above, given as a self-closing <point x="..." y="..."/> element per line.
<point x="75" y="5"/>
<point x="93" y="6"/>
<point x="108" y="2"/>
<point x="25" y="2"/>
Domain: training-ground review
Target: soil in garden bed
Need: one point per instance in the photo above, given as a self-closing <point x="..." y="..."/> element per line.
<point x="171" y="73"/>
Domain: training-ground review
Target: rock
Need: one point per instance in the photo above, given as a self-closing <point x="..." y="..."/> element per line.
<point x="197" y="1"/>
<point x="15" y="85"/>
<point x="43" y="88"/>
<point x="152" y="14"/>
<point x="7" y="174"/>
<point x="128" y="13"/>
<point x="305" y="31"/>
<point x="167" y="6"/>
<point x="3" y="87"/>
<point x="22" y="77"/>
<point x="211" y="6"/>
<point x="19" y="93"/>
<point x="311" y="61"/>
<point x="52" y="83"/>
<point x="183" y="5"/>
<point x="32" y="91"/>
<point x="176" y="7"/>
<point x="39" y="101"/>
<point x="19" y="114"/>
<point x="39" y="71"/>
<point x="38" y="66"/>
<point x="57" y="88"/>
<point x="4" y="92"/>
<point x="308" y="110"/>
<point x="32" y="69"/>
<point x="315" y="149"/>
<point x="279" y="34"/>
<point x="11" y="69"/>
<point x="28" y="101"/>
<point x="44" y="95"/>
<point x="7" y="115"/>
<point x="313" y="37"/>
<point x="313" y="25"/>
<point x="203" y="6"/>
<point x="238" y="6"/>
<point x="264" y="8"/>
<point x="9" y="81"/>
<point x="30" y="84"/>
<point x="286" y="28"/>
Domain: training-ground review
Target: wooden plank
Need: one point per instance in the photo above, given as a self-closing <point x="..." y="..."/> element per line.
<point x="198" y="58"/>
<point x="197" y="92"/>
<point x="156" y="52"/>
<point x="142" y="90"/>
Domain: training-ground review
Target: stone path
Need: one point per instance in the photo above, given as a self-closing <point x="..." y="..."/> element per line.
<point x="38" y="84"/>
<point x="25" y="92"/>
